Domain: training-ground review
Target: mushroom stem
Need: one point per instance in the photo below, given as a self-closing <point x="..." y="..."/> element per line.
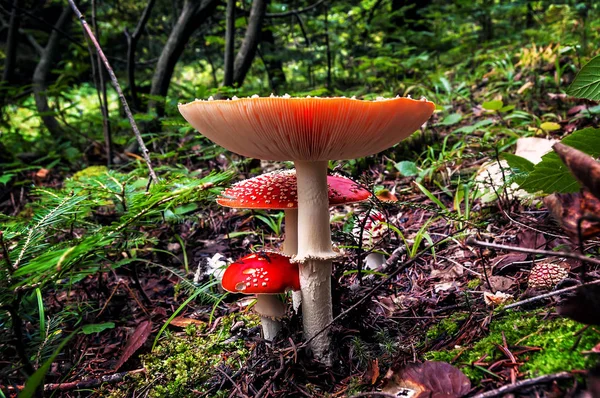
<point x="290" y="247"/>
<point x="290" y="244"/>
<point x="314" y="252"/>
<point x="270" y="309"/>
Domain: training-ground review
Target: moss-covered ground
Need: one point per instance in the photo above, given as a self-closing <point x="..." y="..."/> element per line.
<point x="560" y="343"/>
<point x="182" y="363"/>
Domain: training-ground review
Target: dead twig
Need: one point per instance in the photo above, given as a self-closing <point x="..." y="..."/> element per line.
<point x="79" y="384"/>
<point x="281" y="369"/>
<point x="113" y="78"/>
<point x="546" y="295"/>
<point x="524" y="383"/>
<point x="474" y="242"/>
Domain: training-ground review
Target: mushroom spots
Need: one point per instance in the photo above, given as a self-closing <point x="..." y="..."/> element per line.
<point x="278" y="190"/>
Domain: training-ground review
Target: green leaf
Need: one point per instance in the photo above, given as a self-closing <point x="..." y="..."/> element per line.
<point x="407" y="168"/>
<point x="520" y="167"/>
<point x="517" y="162"/>
<point x="5" y="178"/>
<point x="587" y="82"/>
<point x="551" y="175"/>
<point x="550" y="126"/>
<point x="494" y="105"/>
<point x="451" y="119"/>
<point x="97" y="327"/>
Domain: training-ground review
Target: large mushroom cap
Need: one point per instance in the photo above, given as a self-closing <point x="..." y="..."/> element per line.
<point x="261" y="273"/>
<point x="310" y="129"/>
<point x="278" y="190"/>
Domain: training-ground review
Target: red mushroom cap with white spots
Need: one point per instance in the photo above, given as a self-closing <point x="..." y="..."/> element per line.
<point x="261" y="273"/>
<point x="278" y="190"/>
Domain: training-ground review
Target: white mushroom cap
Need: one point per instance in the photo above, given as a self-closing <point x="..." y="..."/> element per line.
<point x="308" y="129"/>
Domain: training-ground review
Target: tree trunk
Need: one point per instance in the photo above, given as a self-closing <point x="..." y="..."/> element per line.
<point x="229" y="44"/>
<point x="247" y="52"/>
<point x="11" y="43"/>
<point x="272" y="59"/>
<point x="132" y="41"/>
<point x="193" y="15"/>
<point x="42" y="72"/>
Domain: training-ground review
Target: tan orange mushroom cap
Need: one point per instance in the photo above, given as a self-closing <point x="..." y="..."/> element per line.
<point x="308" y="129"/>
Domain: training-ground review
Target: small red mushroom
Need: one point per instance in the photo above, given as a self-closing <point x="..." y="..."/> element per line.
<point x="266" y="275"/>
<point x="278" y="191"/>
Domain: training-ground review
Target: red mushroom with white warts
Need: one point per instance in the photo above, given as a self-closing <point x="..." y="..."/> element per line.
<point x="266" y="275"/>
<point x="310" y="132"/>
<point x="278" y="191"/>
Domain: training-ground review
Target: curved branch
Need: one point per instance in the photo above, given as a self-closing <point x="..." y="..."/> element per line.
<point x="293" y="12"/>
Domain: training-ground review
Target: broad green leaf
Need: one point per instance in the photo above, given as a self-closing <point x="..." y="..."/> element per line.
<point x="407" y="168"/>
<point x="97" y="327"/>
<point x="551" y="175"/>
<point x="451" y="119"/>
<point x="550" y="126"/>
<point x="520" y="167"/>
<point x="518" y="162"/>
<point x="494" y="105"/>
<point x="587" y="82"/>
<point x="5" y="178"/>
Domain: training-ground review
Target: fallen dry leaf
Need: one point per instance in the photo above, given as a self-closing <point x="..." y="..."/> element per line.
<point x="385" y="195"/>
<point x="496" y="299"/>
<point x="585" y="169"/>
<point x="499" y="283"/>
<point x="137" y="339"/>
<point x="429" y="379"/>
<point x="182" y="322"/>
<point x="569" y="208"/>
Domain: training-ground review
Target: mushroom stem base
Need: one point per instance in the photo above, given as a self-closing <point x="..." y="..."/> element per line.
<point x="270" y="327"/>
<point x="315" y="281"/>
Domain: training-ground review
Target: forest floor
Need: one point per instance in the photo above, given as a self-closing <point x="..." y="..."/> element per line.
<point x="440" y="296"/>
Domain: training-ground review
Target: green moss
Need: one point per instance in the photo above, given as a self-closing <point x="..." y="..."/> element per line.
<point x="91" y="171"/>
<point x="446" y="326"/>
<point x="182" y="363"/>
<point x="474" y="283"/>
<point x="555" y="338"/>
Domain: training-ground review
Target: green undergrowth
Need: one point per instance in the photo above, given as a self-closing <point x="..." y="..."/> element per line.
<point x="561" y="346"/>
<point x="184" y="362"/>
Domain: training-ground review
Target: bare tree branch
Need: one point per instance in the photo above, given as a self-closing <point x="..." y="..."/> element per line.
<point x="115" y="82"/>
<point x="294" y="12"/>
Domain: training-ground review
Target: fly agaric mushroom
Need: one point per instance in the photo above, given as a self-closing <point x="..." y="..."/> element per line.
<point x="277" y="191"/>
<point x="310" y="132"/>
<point x="266" y="275"/>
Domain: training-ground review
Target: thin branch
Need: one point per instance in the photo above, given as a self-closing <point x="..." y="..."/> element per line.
<point x="524" y="383"/>
<point x="44" y="22"/>
<point x="293" y="12"/>
<point x="115" y="82"/>
<point x="473" y="242"/>
<point x="546" y="295"/>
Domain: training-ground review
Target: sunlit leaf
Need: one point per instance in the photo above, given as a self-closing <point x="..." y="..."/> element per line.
<point x="494" y="105"/>
<point x="587" y="82"/>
